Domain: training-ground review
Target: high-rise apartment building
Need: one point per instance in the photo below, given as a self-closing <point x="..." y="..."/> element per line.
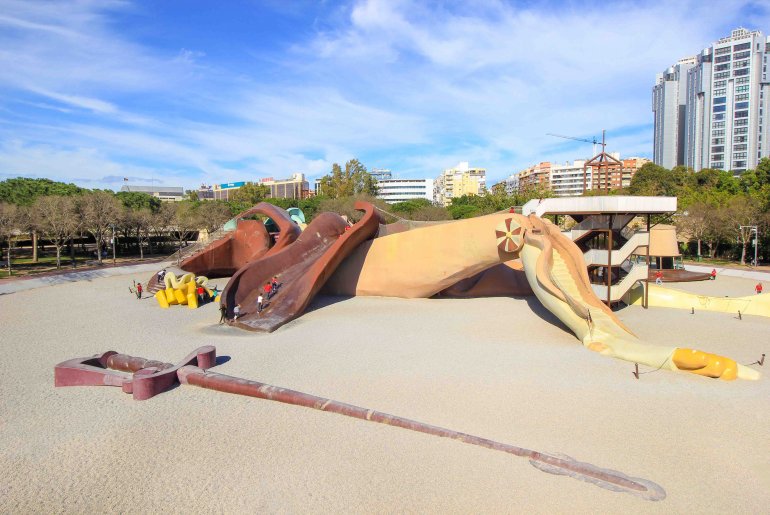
<point x="726" y="102"/>
<point x="458" y="181"/>
<point x="669" y="100"/>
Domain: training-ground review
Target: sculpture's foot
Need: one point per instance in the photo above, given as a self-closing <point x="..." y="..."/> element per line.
<point x="711" y="365"/>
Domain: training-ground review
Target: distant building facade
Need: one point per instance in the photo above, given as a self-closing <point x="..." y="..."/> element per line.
<point x="295" y="187"/>
<point x="722" y="121"/>
<point x="381" y="174"/>
<point x="458" y="181"/>
<point x="566" y="180"/>
<point x="400" y="190"/>
<point x="164" y="193"/>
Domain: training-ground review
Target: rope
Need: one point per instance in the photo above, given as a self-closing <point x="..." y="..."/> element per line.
<point x="657" y="369"/>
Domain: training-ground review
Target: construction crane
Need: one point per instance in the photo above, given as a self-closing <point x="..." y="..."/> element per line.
<point x="594" y="142"/>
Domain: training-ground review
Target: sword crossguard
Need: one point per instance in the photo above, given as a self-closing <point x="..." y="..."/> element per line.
<point x="147" y="378"/>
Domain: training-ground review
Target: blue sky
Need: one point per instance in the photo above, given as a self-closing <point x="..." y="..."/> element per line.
<point x="187" y="92"/>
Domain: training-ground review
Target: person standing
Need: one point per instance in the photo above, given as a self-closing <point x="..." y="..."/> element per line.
<point x="236" y="312"/>
<point x="259" y="303"/>
<point x="713" y="274"/>
<point x="758" y="288"/>
<point x="659" y="277"/>
<point x="273" y="285"/>
<point x="222" y="313"/>
<point x="266" y="289"/>
<point x="138" y="290"/>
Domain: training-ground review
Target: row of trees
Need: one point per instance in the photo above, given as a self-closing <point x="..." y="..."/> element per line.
<point x="717" y="209"/>
<point x="63" y="213"/>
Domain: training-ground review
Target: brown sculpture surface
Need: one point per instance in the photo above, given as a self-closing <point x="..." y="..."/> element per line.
<point x="249" y="241"/>
<point x="93" y="371"/>
<point x="302" y="268"/>
<point x="503" y="280"/>
<point x="148" y="379"/>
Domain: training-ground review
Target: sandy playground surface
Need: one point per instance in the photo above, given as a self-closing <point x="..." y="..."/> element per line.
<point x="501" y="368"/>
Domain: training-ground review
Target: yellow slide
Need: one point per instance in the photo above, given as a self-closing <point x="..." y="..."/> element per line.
<point x="182" y="290"/>
<point x="672" y="298"/>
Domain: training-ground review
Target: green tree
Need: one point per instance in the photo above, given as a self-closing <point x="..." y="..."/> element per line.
<point x="654" y="180"/>
<point x="55" y="217"/>
<point x="136" y="200"/>
<point x="354" y="180"/>
<point x="250" y="193"/>
<point x="213" y="214"/>
<point x="741" y="213"/>
<point x="23" y="191"/>
<point x="8" y="224"/>
<point x="100" y="211"/>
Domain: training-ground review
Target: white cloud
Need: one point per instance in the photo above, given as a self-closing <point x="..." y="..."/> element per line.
<point x="402" y="84"/>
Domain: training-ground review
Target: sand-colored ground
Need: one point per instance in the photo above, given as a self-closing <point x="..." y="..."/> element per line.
<point x="500" y="368"/>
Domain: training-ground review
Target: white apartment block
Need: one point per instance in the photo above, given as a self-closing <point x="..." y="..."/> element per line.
<point x="401" y="190"/>
<point x="727" y="97"/>
<point x="567" y="179"/>
<point x="458" y="181"/>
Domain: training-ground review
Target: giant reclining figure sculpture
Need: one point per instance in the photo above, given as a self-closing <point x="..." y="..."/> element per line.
<point x="437" y="258"/>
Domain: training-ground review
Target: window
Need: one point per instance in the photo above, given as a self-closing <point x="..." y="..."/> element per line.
<point x="720" y="84"/>
<point x="742" y="71"/>
<point x="720" y="100"/>
<point x="739" y="123"/>
<point x="741" y="105"/>
<point x="722" y="67"/>
<point x="722" y="59"/>
<point x="742" y="46"/>
<point x="742" y="80"/>
<point x="742" y="64"/>
<point x="720" y="109"/>
<point x="717" y="149"/>
<point x="717" y="157"/>
<point x="741" y="130"/>
<point x="721" y="91"/>
<point x="742" y="55"/>
<point x="740" y="148"/>
<point x="719" y="116"/>
<point x="739" y="98"/>
<point x="722" y="51"/>
<point x="718" y="125"/>
<point x="718" y="141"/>
<point x="740" y="139"/>
<point x="717" y="165"/>
<point x="741" y="114"/>
<point x="721" y="75"/>
<point x="718" y="133"/>
<point x="739" y="155"/>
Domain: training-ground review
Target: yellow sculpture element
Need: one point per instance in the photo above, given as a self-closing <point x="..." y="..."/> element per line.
<point x="660" y="296"/>
<point x="181" y="290"/>
<point x="705" y="364"/>
<point x="424" y="261"/>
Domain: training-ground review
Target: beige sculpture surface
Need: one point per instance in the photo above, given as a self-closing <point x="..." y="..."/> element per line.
<point x="425" y="261"/>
